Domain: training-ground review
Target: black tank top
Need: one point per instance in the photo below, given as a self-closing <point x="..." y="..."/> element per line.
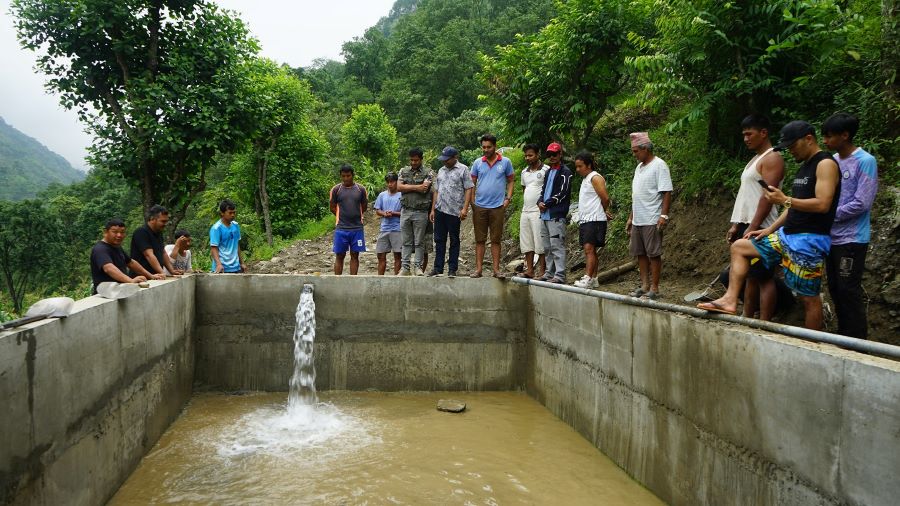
<point x="805" y="222"/>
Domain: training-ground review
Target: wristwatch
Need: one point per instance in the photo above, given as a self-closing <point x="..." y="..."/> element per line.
<point x="664" y="216"/>
<point x="787" y="203"/>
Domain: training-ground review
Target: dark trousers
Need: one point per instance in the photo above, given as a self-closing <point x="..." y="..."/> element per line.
<point x="446" y="225"/>
<point x="844" y="268"/>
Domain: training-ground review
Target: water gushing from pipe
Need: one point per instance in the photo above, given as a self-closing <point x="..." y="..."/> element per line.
<point x="303" y="382"/>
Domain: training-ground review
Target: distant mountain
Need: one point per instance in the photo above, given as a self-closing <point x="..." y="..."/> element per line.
<point x="27" y="166"/>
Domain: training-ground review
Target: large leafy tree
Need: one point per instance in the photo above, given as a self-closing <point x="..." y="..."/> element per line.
<point x="726" y="59"/>
<point x="157" y="82"/>
<point x="556" y="84"/>
<point x="370" y="139"/>
<point x="281" y="104"/>
<point x="28" y="242"/>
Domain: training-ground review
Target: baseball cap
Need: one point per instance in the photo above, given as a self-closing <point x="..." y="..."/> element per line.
<point x="792" y="132"/>
<point x="448" y="153"/>
<point x="554" y="147"/>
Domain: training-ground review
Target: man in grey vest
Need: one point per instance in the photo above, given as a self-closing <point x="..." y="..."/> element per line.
<point x="415" y="185"/>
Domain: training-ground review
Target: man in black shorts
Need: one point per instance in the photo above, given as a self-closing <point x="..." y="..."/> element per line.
<point x="109" y="261"/>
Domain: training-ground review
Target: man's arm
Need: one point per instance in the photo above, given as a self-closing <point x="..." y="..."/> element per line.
<point x="864" y="196"/>
<point x="510" y="180"/>
<point x="171" y="267"/>
<point x="332" y="204"/>
<point x="214" y="252"/>
<point x="136" y="266"/>
<point x="599" y="185"/>
<point x="667" y="201"/>
<point x="564" y="188"/>
<point x="770" y="229"/>
<point x="771" y="168"/>
<point x="151" y="259"/>
<point x="827" y="174"/>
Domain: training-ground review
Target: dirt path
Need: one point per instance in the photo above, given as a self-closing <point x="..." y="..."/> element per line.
<point x="694" y="252"/>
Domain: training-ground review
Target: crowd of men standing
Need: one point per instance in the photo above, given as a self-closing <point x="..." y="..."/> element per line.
<point x="824" y="228"/>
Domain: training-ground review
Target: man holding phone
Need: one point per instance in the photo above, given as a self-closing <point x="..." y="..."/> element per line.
<point x="416" y="189"/>
<point x="752" y="211"/>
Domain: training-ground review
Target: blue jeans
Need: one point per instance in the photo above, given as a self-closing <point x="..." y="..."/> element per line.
<point x="444" y="225"/>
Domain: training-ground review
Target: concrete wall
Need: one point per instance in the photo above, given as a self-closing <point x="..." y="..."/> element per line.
<point x="703" y="412"/>
<point x="386" y="333"/>
<point x="84" y="398"/>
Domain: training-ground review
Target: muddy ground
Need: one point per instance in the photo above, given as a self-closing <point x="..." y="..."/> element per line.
<point x="694" y="252"/>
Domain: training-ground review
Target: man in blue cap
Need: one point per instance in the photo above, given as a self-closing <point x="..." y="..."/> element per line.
<point x="800" y="238"/>
<point x="449" y="207"/>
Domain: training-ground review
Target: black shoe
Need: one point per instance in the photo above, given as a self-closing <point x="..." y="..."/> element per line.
<point x="434" y="273"/>
<point x="451" y="274"/>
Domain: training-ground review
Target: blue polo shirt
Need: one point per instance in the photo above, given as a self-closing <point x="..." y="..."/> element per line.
<point x="490" y="187"/>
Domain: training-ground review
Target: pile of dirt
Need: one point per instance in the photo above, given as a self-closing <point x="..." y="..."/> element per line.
<point x="695" y="251"/>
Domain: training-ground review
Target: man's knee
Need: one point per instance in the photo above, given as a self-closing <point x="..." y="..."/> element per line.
<point x="744" y="248"/>
<point x="810" y="302"/>
<point x="354" y="255"/>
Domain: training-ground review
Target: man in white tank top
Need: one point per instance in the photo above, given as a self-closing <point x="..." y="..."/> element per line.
<point x="593" y="213"/>
<point x="752" y="211"/>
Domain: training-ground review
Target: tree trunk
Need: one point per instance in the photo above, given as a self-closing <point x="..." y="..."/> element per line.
<point x="147" y="187"/>
<point x="261" y="166"/>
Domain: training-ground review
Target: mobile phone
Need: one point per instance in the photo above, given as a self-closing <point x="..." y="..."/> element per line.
<point x="764" y="184"/>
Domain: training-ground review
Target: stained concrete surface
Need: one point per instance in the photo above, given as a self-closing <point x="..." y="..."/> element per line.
<point x="700" y="412"/>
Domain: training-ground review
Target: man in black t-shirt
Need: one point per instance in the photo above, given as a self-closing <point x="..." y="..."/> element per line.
<point x="109" y="261"/>
<point x="800" y="238"/>
<point x="147" y="246"/>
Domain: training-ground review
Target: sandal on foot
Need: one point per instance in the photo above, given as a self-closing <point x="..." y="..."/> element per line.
<point x="476" y="274"/>
<point x="637" y="292"/>
<point x="713" y="307"/>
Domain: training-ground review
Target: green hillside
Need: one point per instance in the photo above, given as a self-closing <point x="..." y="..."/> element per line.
<point x="27" y="166"/>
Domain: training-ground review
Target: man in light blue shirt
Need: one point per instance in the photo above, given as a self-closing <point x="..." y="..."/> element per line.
<point x="493" y="176"/>
<point x="224" y="239"/>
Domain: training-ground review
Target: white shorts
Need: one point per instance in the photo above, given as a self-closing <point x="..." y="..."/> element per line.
<point x="530" y="233"/>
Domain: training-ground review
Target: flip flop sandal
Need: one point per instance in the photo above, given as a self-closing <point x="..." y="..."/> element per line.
<point x="499" y="275"/>
<point x="712" y="307"/>
<point x="637" y="292"/>
<point x="475" y="274"/>
<point x="523" y="275"/>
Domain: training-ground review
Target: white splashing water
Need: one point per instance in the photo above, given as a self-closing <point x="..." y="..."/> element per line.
<point x="303" y="382"/>
<point x="306" y="424"/>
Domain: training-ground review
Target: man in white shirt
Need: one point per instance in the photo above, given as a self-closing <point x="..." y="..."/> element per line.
<point x="180" y="252"/>
<point x="651" y="195"/>
<point x="530" y="242"/>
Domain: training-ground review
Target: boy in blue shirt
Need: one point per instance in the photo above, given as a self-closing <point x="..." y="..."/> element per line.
<point x="387" y="205"/>
<point x="224" y="239"/>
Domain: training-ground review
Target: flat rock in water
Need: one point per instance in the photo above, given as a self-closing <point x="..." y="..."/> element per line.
<point x="451" y="406"/>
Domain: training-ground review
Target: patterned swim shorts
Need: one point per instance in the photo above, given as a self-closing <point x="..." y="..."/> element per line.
<point x="802" y="256"/>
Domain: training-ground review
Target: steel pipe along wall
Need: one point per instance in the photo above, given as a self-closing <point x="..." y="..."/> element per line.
<point x="700" y="410"/>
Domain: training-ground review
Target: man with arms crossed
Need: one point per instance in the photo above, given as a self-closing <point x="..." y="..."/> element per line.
<point x="800" y="238"/>
<point x="530" y="242"/>
<point x="493" y="176"/>
<point x="224" y="241"/>
<point x="651" y="195"/>
<point x="415" y="185"/>
<point x="109" y="261"/>
<point x="450" y="205"/>
<point x="851" y="231"/>
<point x="348" y="203"/>
<point x="753" y="211"/>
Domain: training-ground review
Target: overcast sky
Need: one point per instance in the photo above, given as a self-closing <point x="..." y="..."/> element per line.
<point x="294" y="32"/>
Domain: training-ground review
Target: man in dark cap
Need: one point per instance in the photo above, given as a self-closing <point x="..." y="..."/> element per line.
<point x="449" y="207"/>
<point x="800" y="238"/>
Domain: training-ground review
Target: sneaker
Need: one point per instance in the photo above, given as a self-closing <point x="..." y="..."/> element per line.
<point x="451" y="274"/>
<point x="586" y="282"/>
<point x="434" y="273"/>
<point x="406" y="272"/>
<point x="420" y="272"/>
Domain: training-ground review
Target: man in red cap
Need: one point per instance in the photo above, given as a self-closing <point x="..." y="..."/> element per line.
<point x="651" y="192"/>
<point x="556" y="195"/>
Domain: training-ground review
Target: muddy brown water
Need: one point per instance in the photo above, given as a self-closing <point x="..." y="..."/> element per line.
<point x="376" y="448"/>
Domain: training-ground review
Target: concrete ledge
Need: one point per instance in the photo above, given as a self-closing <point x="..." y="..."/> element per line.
<point x="703" y="412"/>
<point x="87" y="396"/>
<point x="372" y="332"/>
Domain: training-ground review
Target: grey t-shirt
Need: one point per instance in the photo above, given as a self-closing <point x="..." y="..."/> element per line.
<point x="451" y="186"/>
<point x="351" y="202"/>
